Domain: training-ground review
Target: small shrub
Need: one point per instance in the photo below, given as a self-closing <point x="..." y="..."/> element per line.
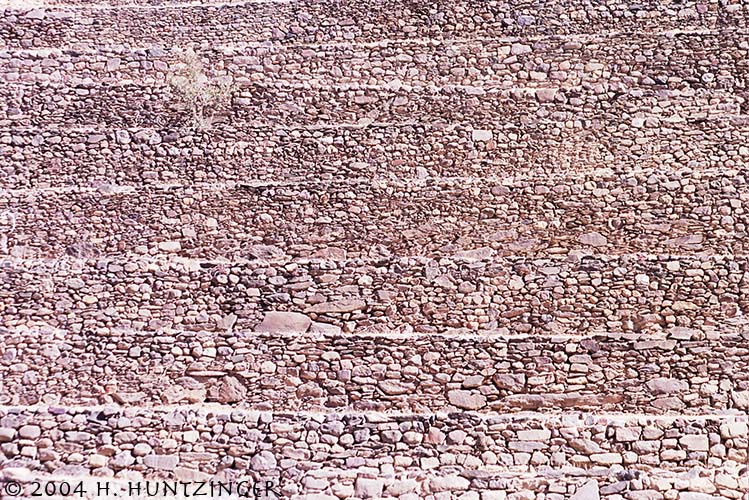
<point x="7" y="218"/>
<point x="202" y="98"/>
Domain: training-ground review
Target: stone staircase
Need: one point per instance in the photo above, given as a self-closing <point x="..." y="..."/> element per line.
<point x="476" y="250"/>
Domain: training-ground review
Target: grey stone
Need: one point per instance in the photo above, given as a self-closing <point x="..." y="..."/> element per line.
<point x="121" y="460"/>
<point x="141" y="449"/>
<point x="161" y="462"/>
<point x="78" y="436"/>
<point x="519" y="49"/>
<point x="30" y="431"/>
<point x="467" y="400"/>
<point x="395" y="387"/>
<point x="741" y="399"/>
<point x="263" y="461"/>
<point x="540" y="435"/>
<point x="75" y="283"/>
<point x="695" y="442"/>
<point x="7" y="434"/>
<point x="588" y="491"/>
<point x="734" y="429"/>
<point x="369" y="488"/>
<point x="284" y="322"/>
<point x="691" y="495"/>
<point x="337" y="306"/>
<point x="514" y="382"/>
<point x="324" y="328"/>
<point x="448" y="483"/>
<point x="231" y="390"/>
<point x="481" y="135"/>
<point x="627" y="434"/>
<point x="545" y="94"/>
<point x="35" y="14"/>
<point x="594" y="239"/>
<point x="666" y="385"/>
<point x="170" y="246"/>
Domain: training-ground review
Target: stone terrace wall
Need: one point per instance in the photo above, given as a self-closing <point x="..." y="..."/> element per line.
<point x="357" y="21"/>
<point x="476" y="250"/>
<point x="676" y="60"/>
<point x="509" y="295"/>
<point x="42" y="157"/>
<point x="685" y="374"/>
<point x="102" y="442"/>
<point x="645" y="211"/>
<point x="29" y="105"/>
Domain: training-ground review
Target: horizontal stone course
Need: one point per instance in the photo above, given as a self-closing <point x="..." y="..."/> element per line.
<point x="606" y="212"/>
<point x="688" y="373"/>
<point x="62" y="157"/>
<point x="714" y="60"/>
<point x="128" y="105"/>
<point x="330" y="484"/>
<point x="358" y="21"/>
<point x="381" y="293"/>
<point x="459" y="452"/>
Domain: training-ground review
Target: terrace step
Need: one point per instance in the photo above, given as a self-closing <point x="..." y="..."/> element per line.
<point x="572" y="144"/>
<point x="483" y="484"/>
<point x="437" y="453"/>
<point x="127" y="104"/>
<point x="689" y="373"/>
<point x="382" y="293"/>
<point x="534" y="215"/>
<point x="205" y="23"/>
<point x="714" y="59"/>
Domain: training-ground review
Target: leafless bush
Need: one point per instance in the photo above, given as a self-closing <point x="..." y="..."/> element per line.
<point x="204" y="99"/>
<point x="7" y="218"/>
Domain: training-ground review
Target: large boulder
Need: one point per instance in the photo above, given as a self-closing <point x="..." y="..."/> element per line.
<point x="230" y="390"/>
<point x="588" y="491"/>
<point x="664" y="385"/>
<point x="467" y="400"/>
<point x="338" y="306"/>
<point x="284" y="322"/>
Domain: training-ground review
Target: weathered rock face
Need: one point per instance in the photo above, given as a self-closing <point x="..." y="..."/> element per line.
<point x="473" y="250"/>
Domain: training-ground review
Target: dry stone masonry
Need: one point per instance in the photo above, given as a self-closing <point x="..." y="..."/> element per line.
<point x="475" y="250"/>
<point x="473" y="218"/>
<point x="41" y="157"/>
<point x="396" y="455"/>
<point x="690" y="373"/>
